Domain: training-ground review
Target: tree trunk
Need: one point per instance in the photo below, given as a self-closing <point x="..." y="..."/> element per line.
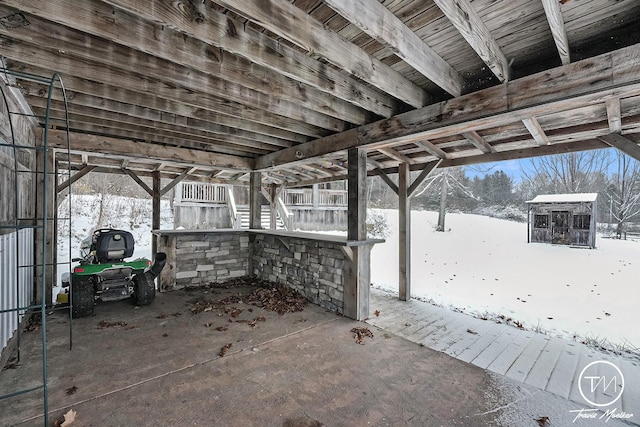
<point x="100" y="211"/>
<point x="620" y="230"/>
<point x="443" y="203"/>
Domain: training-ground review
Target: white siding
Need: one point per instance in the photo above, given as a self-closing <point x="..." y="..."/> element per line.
<point x="16" y="283"/>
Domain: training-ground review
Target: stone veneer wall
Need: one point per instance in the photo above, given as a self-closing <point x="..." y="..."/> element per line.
<point x="202" y="258"/>
<point x="312" y="267"/>
<point x="317" y="267"/>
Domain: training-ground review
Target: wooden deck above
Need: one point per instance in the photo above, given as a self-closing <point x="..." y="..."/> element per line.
<point x="212" y="90"/>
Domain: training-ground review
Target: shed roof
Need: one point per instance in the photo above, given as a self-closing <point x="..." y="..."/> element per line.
<point x="563" y="198"/>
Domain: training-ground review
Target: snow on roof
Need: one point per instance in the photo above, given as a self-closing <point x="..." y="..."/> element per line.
<point x="560" y="198"/>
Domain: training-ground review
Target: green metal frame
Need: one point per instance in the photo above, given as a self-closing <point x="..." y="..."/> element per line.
<point x="43" y="224"/>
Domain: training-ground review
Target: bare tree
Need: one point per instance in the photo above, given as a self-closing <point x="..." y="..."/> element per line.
<point x="624" y="191"/>
<point x="444" y="183"/>
<point x="568" y="173"/>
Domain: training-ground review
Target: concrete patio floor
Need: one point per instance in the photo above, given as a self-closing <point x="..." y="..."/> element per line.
<point x="162" y="368"/>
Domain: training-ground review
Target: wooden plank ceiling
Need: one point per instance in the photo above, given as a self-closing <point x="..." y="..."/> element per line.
<point x="215" y="89"/>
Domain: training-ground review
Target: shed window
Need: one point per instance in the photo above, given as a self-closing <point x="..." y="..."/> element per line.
<point x="541" y="221"/>
<point x="581" y="222"/>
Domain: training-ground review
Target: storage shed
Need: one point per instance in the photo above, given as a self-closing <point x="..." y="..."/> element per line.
<point x="563" y="219"/>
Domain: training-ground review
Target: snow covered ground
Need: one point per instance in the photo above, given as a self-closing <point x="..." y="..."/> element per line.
<point x="485" y="267"/>
<point x="482" y="266"/>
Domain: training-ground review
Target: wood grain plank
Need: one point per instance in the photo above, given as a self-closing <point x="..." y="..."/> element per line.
<point x="227" y="115"/>
<point x="564" y="373"/>
<point x="466" y="20"/>
<point x="613" y="115"/>
<point x="291" y="23"/>
<point x="497" y="347"/>
<point x="541" y="370"/>
<point x="623" y="144"/>
<point x="511" y="352"/>
<point x="168" y="45"/>
<point x="536" y="95"/>
<point x="124" y="66"/>
<point x="142" y="150"/>
<point x="376" y="20"/>
<point x="536" y="131"/>
<point x="556" y="23"/>
<point x="157" y="34"/>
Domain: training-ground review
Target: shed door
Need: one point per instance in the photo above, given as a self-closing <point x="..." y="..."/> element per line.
<point x="560" y="227"/>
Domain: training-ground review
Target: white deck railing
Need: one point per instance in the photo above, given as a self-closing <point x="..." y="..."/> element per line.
<point x="198" y="192"/>
<point x="324" y="198"/>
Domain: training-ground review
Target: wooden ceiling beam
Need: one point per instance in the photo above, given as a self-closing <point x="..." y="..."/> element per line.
<point x="206" y="66"/>
<point x="614" y="115"/>
<point x="390" y="152"/>
<point x="536" y="131"/>
<point x="431" y="149"/>
<point x="133" y="113"/>
<point x="466" y="20"/>
<point x="221" y="30"/>
<point x="546" y="150"/>
<point x="120" y="66"/>
<point x="556" y="24"/>
<point x="628" y="147"/>
<point x="115" y="130"/>
<point x="231" y="115"/>
<point x="375" y="163"/>
<point x="125" y="122"/>
<point x="376" y="20"/>
<point x="316" y="169"/>
<point x="573" y="86"/>
<point x="479" y="142"/>
<point x="145" y="151"/>
<point x="290" y="22"/>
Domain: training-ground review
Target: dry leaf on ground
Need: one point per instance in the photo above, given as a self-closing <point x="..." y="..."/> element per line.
<point x="361" y="333"/>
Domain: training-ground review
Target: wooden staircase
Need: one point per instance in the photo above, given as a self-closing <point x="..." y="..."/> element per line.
<point x="243" y="216"/>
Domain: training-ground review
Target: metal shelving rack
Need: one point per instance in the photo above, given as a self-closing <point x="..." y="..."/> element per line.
<point x="40" y="223"/>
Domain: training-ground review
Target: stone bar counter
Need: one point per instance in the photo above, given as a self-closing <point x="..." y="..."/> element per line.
<point x="329" y="271"/>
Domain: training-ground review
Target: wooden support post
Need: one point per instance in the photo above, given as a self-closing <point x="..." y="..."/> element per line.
<point x="404" y="237"/>
<point x="45" y="216"/>
<point x="357" y="203"/>
<point x="357" y="270"/>
<point x="272" y="205"/>
<point x="315" y="196"/>
<point x="255" y="207"/>
<point x="155" y="211"/>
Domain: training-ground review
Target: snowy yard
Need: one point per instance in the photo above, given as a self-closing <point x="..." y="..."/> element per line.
<point x="484" y="266"/>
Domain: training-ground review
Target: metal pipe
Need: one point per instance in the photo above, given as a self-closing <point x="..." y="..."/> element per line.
<point x="158" y="264"/>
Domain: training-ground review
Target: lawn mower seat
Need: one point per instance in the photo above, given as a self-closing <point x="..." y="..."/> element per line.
<point x="112" y="245"/>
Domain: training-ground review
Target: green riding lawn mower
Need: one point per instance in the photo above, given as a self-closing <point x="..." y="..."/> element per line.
<point x="103" y="275"/>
